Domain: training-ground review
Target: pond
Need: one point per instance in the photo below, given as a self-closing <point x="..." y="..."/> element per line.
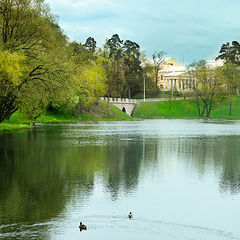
<point x="179" y="178"/>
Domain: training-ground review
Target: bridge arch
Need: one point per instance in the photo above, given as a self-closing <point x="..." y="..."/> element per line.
<point x="124" y="104"/>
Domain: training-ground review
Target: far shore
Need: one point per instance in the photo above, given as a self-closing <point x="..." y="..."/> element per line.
<point x="174" y="109"/>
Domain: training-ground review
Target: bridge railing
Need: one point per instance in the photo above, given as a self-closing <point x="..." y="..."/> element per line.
<point x="118" y="100"/>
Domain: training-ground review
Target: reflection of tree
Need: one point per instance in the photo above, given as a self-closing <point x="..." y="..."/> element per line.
<point x="123" y="167"/>
<point x="41" y="171"/>
<point x="230" y="177"/>
<point x="125" y="161"/>
<point x="36" y="177"/>
<point x="203" y="153"/>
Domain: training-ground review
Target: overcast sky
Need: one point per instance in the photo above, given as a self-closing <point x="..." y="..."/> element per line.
<point x="185" y="29"/>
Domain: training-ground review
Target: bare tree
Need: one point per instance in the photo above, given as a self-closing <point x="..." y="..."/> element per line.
<point x="158" y="59"/>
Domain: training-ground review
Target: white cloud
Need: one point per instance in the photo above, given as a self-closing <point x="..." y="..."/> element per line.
<point x="195" y="28"/>
<point x="82" y="7"/>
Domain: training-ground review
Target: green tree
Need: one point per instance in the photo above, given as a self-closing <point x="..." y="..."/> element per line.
<point x="90" y="44"/>
<point x="113" y="51"/>
<point x="132" y="66"/>
<point x="12" y="71"/>
<point x="230" y="53"/>
<point x="230" y="74"/>
<point x="208" y="86"/>
<point x="90" y="83"/>
<point x="29" y="30"/>
<point x="115" y="45"/>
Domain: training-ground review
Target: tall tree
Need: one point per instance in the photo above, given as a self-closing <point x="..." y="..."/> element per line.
<point x="230" y="53"/>
<point x="90" y="45"/>
<point x="133" y="70"/>
<point x="113" y="51"/>
<point x="115" y="45"/>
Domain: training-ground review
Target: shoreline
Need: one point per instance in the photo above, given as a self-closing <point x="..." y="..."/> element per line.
<point x="183" y="109"/>
<point x="12" y="127"/>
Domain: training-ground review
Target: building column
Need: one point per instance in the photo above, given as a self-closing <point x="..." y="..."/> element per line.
<point x="177" y="84"/>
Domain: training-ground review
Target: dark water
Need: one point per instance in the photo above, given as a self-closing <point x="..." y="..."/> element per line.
<point x="180" y="178"/>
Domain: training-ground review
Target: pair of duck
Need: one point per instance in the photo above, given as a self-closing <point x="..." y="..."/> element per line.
<point x="84" y="227"/>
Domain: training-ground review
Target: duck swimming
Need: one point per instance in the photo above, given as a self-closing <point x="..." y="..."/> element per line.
<point x="82" y="226"/>
<point x="130" y="215"/>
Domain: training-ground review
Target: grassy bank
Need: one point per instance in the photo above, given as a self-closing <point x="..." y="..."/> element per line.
<point x="104" y="112"/>
<point x="185" y="109"/>
<point x="12" y="127"/>
<point x="101" y="112"/>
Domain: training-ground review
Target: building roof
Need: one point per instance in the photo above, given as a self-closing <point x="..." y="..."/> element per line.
<point x="167" y="59"/>
<point x="174" y="74"/>
<point x="173" y="69"/>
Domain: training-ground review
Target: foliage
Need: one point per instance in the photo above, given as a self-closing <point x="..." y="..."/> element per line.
<point x="90" y="44"/>
<point x="132" y="66"/>
<point x="12" y="73"/>
<point x="230" y="74"/>
<point x="28" y="29"/>
<point x="90" y="84"/>
<point x="208" y="86"/>
<point x="125" y="73"/>
<point x="230" y="53"/>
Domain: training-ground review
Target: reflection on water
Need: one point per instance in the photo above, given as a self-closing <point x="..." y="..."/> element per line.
<point x="181" y="179"/>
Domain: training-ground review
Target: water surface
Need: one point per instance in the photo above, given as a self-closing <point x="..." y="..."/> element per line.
<point x="180" y="178"/>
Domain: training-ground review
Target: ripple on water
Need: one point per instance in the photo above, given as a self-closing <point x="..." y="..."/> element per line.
<point x="142" y="228"/>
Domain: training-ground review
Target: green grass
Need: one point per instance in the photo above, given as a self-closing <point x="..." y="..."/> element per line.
<point x="100" y="112"/>
<point x="222" y="110"/>
<point x="19" y="117"/>
<point x="105" y="112"/>
<point x="13" y="127"/>
<point x="185" y="109"/>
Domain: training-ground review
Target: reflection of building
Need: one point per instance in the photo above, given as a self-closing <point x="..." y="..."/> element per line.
<point x="174" y="76"/>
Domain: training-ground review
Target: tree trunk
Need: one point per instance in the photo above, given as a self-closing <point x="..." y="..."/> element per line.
<point x="198" y="107"/>
<point x="7" y="107"/>
<point x="203" y="111"/>
<point x="156" y="78"/>
<point x="209" y="109"/>
<point x="38" y="115"/>
<point x="230" y="106"/>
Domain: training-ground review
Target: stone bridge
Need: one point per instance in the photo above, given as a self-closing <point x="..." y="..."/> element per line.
<point x="127" y="105"/>
<point x="124" y="104"/>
